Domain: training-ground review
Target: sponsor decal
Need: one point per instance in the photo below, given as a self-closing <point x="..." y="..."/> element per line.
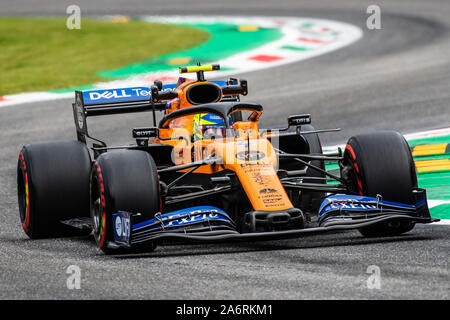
<point x="351" y="205"/>
<point x="195" y="217"/>
<point x="122" y="227"/>
<point x="356" y="203"/>
<point x="145" y="132"/>
<point x="261" y="179"/>
<point x="118" y="224"/>
<point x="250" y="155"/>
<point x="272" y="200"/>
<point x="259" y="173"/>
<point x="269" y="195"/>
<point x="116" y="95"/>
<point x="298" y="120"/>
<point x="267" y="190"/>
<point x="186" y="217"/>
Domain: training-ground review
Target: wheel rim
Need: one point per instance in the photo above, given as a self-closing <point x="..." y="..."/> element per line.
<point x="22" y="196"/>
<point x="96" y="207"/>
<point x="350" y="172"/>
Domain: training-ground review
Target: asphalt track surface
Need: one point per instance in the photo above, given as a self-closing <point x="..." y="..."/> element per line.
<point x="394" y="78"/>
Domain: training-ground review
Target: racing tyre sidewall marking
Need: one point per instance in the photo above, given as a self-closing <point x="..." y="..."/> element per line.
<point x="23" y="175"/>
<point x="357" y="172"/>
<point x="99" y="227"/>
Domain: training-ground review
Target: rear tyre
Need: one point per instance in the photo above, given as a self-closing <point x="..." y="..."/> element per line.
<point x="52" y="186"/>
<point x="381" y="164"/>
<point x="122" y="180"/>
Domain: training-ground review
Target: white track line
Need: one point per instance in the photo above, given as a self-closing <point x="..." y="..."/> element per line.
<point x="435" y="203"/>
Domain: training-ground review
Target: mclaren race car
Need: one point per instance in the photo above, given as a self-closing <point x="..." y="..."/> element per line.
<point x="207" y="173"/>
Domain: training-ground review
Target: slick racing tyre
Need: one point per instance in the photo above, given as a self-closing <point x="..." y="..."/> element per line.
<point x="127" y="181"/>
<point x="381" y="164"/>
<point x="53" y="186"/>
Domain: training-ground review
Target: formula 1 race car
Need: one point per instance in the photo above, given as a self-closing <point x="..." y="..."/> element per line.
<point x="207" y="173"/>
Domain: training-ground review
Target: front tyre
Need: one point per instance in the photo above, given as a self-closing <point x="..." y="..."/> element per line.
<point x="122" y="181"/>
<point x="381" y="164"/>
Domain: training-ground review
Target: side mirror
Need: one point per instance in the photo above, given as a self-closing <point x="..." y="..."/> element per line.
<point x="158" y="95"/>
<point x="158" y="84"/>
<point x="145" y="132"/>
<point x="244" y="86"/>
<point x="142" y="135"/>
<point x="298" y="120"/>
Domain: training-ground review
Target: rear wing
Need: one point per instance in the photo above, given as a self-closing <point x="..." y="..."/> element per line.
<point x="111" y="101"/>
<point x="100" y="102"/>
<point x="114" y="101"/>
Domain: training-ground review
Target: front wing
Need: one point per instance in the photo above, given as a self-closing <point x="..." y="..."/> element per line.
<point x="208" y="224"/>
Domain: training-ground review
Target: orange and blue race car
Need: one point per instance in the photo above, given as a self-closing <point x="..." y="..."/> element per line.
<point x="207" y="173"/>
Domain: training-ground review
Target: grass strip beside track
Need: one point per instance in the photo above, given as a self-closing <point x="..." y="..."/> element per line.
<point x="39" y="54"/>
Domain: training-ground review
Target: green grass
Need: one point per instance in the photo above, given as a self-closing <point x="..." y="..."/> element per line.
<point x="41" y="54"/>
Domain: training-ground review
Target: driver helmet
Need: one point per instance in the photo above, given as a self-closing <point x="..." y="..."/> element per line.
<point x="208" y="125"/>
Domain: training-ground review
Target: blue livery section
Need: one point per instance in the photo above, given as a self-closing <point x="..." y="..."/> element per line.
<point x="107" y="96"/>
<point x="355" y="203"/>
<point x="169" y="86"/>
<point x="207" y="223"/>
<point x="193" y="221"/>
<point x="118" y="95"/>
<point x="220" y="83"/>
<point x="350" y="209"/>
<point x="184" y="217"/>
<point x="122" y="227"/>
